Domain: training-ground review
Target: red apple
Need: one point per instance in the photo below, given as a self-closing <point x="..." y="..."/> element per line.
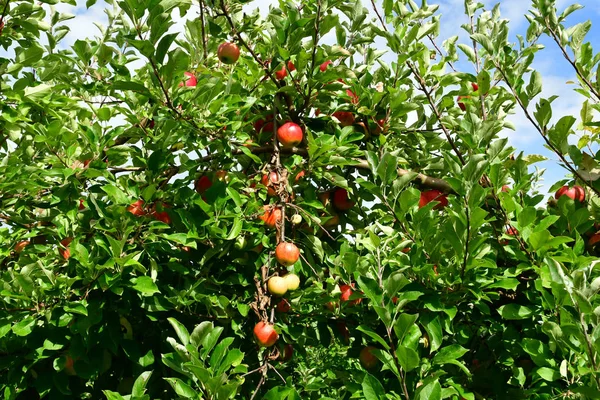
<point x="202" y="184"/>
<point x="346" y="293"/>
<point x="283" y="306"/>
<point x="346" y="118"/>
<point x="433" y="195"/>
<point x="270" y="180"/>
<point x="281" y="74"/>
<point x="290" y="66"/>
<point x="341" y="200"/>
<point x="265" y="334"/>
<point x="592" y="242"/>
<point x="162" y="216"/>
<point x="189" y="80"/>
<point x="353" y="96"/>
<point x="512" y="231"/>
<point x="81" y="205"/>
<point x="505" y="188"/>
<point x="228" y="53"/>
<point x="287" y="253"/>
<point x="576" y="193"/>
<point x="367" y="359"/>
<point x="380" y="126"/>
<point x="290" y="134"/>
<point x="137" y="208"/>
<point x="272" y="216"/>
<point x="64" y="251"/>
<point x="21" y="245"/>
<point x="300" y="176"/>
<point x="265" y="125"/>
<point x="461" y="104"/>
<point x="69" y="366"/>
<point x="324" y="66"/>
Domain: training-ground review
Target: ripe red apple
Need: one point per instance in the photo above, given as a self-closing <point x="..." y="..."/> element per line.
<point x="512" y="231"/>
<point x="433" y="195"/>
<point x="270" y="180"/>
<point x="380" y="126"/>
<point x="505" y="188"/>
<point x="202" y="184"/>
<point x="162" y="216"/>
<point x="460" y="103"/>
<point x="324" y="66"/>
<point x="346" y="118"/>
<point x="265" y="125"/>
<point x="346" y="293"/>
<point x="281" y="74"/>
<point x="137" y="208"/>
<point x="290" y="66"/>
<point x="189" y="80"/>
<point x="283" y="306"/>
<point x="287" y="253"/>
<point x="341" y="200"/>
<point x="353" y="96"/>
<point x="272" y="216"/>
<point x="265" y="334"/>
<point x="576" y="193"/>
<point x="81" y="205"/>
<point x="286" y="353"/>
<point x="367" y="359"/>
<point x="64" y="251"/>
<point x="290" y="134"/>
<point x="277" y="285"/>
<point x="228" y="53"/>
<point x="21" y="245"/>
<point x="593" y="240"/>
<point x="300" y="176"/>
<point x="69" y="366"/>
<point x="406" y="250"/>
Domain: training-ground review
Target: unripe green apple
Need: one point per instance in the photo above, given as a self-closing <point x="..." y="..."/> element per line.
<point x="296" y="219"/>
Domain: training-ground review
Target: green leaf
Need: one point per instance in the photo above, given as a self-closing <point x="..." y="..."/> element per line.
<point x="408" y="358"/>
<point x="145" y="285"/>
<point x="368" y="331"/>
<point x="31" y="55"/>
<point x="24" y="327"/>
<point x="431" y="391"/>
<point x="182" y="332"/>
<point x="181" y="388"/>
<point x="515" y="311"/>
<point x="200" y="332"/>
<point x="139" y="386"/>
<point x="372" y="388"/>
<point x="449" y="353"/>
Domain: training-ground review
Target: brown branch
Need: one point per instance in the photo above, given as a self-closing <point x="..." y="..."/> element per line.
<point x="204" y="38"/>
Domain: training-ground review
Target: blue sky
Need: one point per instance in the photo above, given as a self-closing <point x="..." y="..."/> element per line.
<point x="554" y="68"/>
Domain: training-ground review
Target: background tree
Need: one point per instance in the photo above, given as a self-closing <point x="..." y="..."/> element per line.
<point x="260" y="212"/>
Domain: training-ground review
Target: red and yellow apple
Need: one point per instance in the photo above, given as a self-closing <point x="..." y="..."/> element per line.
<point x="189" y="80"/>
<point x="277" y="285"/>
<point x="292" y="281"/>
<point x="287" y="253"/>
<point x="346" y="118"/>
<point x="346" y="293"/>
<point x="64" y="251"/>
<point x="290" y="134"/>
<point x="21" y="245"/>
<point x="271" y="216"/>
<point x="576" y="193"/>
<point x="270" y="180"/>
<point x="433" y="195"/>
<point x="228" y="53"/>
<point x="265" y="334"/>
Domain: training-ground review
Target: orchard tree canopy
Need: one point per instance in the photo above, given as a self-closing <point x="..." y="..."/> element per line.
<point x="207" y="203"/>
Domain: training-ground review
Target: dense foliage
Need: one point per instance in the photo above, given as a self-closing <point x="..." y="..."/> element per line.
<point x="148" y="176"/>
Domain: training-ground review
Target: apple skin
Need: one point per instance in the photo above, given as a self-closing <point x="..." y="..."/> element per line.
<point x="69" y="366"/>
<point x="380" y="126"/>
<point x="281" y="73"/>
<point x="460" y="103"/>
<point x="189" y="80"/>
<point x="265" y="334"/>
<point x="367" y="359"/>
<point x="345" y="296"/>
<point x="264" y="125"/>
<point x="137" y="208"/>
<point x="594" y="239"/>
<point x="323" y="67"/>
<point x="292" y="281"/>
<point x="272" y="216"/>
<point x="283" y="306"/>
<point x="65" y="252"/>
<point x="576" y="193"/>
<point x="162" y="216"/>
<point x="346" y="118"/>
<point x="290" y="134"/>
<point x="512" y="231"/>
<point x="287" y="253"/>
<point x="290" y="66"/>
<point x="505" y="188"/>
<point x="296" y="219"/>
<point x="21" y="245"/>
<point x="81" y="205"/>
<point x="341" y="201"/>
<point x="431" y="195"/>
<point x="269" y="180"/>
<point x="228" y="53"/>
<point x="277" y="286"/>
<point x="300" y="176"/>
<point x="202" y="184"/>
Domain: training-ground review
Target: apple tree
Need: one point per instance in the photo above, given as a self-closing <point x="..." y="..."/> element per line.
<point x="203" y="201"/>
